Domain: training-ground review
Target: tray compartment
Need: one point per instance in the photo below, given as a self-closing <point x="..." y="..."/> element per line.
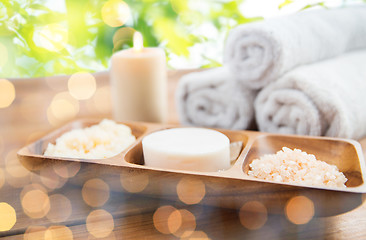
<point x="39" y="147"/>
<point x="341" y="153"/>
<point x="135" y="154"/>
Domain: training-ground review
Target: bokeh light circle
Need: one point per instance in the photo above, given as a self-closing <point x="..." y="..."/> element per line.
<point x="161" y="219"/>
<point x="188" y="225"/>
<point x="133" y="182"/>
<point x="95" y="192"/>
<point x="115" y="13"/>
<point x="123" y="36"/>
<point x="8" y="216"/>
<point x="100" y="223"/>
<point x="7" y="93"/>
<point x="174" y="221"/>
<point x="14" y="167"/>
<point x="253" y="215"/>
<point x="111" y="236"/>
<point x="67" y="170"/>
<point x="59" y="108"/>
<point x="35" y="203"/>
<point x="50" y="179"/>
<point x="197" y="235"/>
<point x="63" y="107"/>
<point x="191" y="191"/>
<point x="30" y="187"/>
<point x="16" y="174"/>
<point x="35" y="233"/>
<point x="179" y="5"/>
<point x="58" y="232"/>
<point x="17" y="182"/>
<point x="61" y="208"/>
<point x="82" y="85"/>
<point x="299" y="210"/>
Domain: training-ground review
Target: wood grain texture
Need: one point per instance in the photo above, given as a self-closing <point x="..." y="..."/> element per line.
<point x="26" y="120"/>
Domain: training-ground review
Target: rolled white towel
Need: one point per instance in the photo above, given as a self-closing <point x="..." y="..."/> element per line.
<point x="327" y="98"/>
<point x="260" y="52"/>
<point x="212" y="99"/>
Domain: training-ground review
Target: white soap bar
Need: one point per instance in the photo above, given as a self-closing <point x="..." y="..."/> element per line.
<point x="193" y="149"/>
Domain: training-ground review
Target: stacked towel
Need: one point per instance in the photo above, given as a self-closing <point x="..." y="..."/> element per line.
<point x="319" y="99"/>
<point x="212" y="99"/>
<point x="327" y="98"/>
<point x="260" y="52"/>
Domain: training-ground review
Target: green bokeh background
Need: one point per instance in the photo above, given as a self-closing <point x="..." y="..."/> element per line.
<point x="91" y="42"/>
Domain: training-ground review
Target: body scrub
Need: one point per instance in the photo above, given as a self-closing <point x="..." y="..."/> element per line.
<point x="296" y="166"/>
<point x="104" y="140"/>
<point x="193" y="149"/>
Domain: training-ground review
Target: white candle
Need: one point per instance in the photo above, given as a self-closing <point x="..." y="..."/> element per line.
<point x="194" y="149"/>
<point x="138" y="83"/>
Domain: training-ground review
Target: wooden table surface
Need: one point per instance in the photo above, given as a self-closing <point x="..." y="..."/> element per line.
<point x="69" y="215"/>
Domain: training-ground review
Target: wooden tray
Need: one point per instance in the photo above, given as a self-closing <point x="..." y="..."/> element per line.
<point x="230" y="188"/>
